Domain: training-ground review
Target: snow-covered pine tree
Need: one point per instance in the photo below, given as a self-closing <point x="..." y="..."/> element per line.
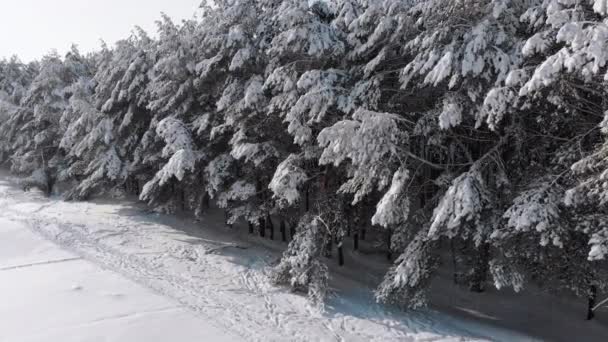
<point x="302" y="264"/>
<point x="566" y="59"/>
<point x="168" y="146"/>
<point x="36" y="143"/>
<point x="120" y="94"/>
<point x="15" y="78"/>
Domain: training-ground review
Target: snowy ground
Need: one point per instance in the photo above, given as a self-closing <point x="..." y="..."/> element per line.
<point x="205" y="282"/>
<point x="49" y="294"/>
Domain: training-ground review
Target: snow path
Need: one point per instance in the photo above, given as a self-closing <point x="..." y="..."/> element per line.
<point x="47" y="294"/>
<point x="226" y="285"/>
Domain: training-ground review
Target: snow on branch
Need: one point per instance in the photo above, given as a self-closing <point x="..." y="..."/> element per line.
<point x="462" y="204"/>
<point x="287" y="179"/>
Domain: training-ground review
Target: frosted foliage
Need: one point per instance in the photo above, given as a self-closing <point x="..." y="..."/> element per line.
<point x="282" y="86"/>
<point x="207" y="66"/>
<point x="281" y="80"/>
<point x="462" y="42"/>
<point x="201" y="124"/>
<point x="321" y="92"/>
<point x="254" y="153"/>
<point x="254" y="93"/>
<point x="26" y="163"/>
<point x="604" y="123"/>
<point x="231" y="95"/>
<point x="538" y="43"/>
<point x="236" y="36"/>
<point x="239" y="191"/>
<point x="473" y="61"/>
<point x="441" y="70"/>
<point x="536" y="210"/>
<point x="288" y="177"/>
<point x="371" y="67"/>
<point x="125" y="79"/>
<point x="594" y="190"/>
<point x="545" y="74"/>
<point x="516" y="78"/>
<point x="72" y="135"/>
<point x="585" y="51"/>
<point x="42" y="138"/>
<point x="406" y="282"/>
<point x="107" y="166"/>
<point x="393" y="208"/>
<point x="176" y="136"/>
<point x="39" y="178"/>
<point x="301" y="265"/>
<point x="171" y="78"/>
<point x="462" y="204"/>
<point x="600" y="6"/>
<point x="240" y="59"/>
<point x="314" y="39"/>
<point x="87" y="119"/>
<point x="218" y="172"/>
<point x="370" y="142"/>
<point x="177" y="166"/>
<point x="496" y="105"/>
<point x="451" y="115"/>
<point x="375" y="26"/>
<point x="338" y="142"/>
<point x="599" y="245"/>
<point x="504" y="276"/>
<point x="102" y="133"/>
<point x="499" y="7"/>
<point x="178" y="149"/>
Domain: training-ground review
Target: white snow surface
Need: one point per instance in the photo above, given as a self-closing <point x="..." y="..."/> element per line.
<point x="113" y="271"/>
<point x="49" y="294"/>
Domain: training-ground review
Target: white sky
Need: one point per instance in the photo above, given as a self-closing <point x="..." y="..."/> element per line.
<point x="31" y="28"/>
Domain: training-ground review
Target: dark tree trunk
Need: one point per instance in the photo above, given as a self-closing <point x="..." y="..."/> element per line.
<point x="262" y="224"/>
<point x="226" y="219"/>
<point x="206" y="200"/>
<point x="340" y="254"/>
<point x="283" y="231"/>
<point x="454" y="261"/>
<point x="50" y="183"/>
<point x="329" y="245"/>
<point x="389" y="253"/>
<point x="183" y="200"/>
<point x="591" y="303"/>
<point x="307" y="199"/>
<point x="356" y="241"/>
<point x="348" y="210"/>
<point x="251" y="228"/>
<point x="480" y="270"/>
<point x="363" y="231"/>
<point x="292" y="230"/>
<point x="349" y="224"/>
<point x="270" y="226"/>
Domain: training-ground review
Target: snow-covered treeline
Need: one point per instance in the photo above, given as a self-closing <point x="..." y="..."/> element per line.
<point x="472" y="124"/>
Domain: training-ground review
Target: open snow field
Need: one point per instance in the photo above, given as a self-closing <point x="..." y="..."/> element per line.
<point x="111" y="271"/>
<point x="48" y="294"/>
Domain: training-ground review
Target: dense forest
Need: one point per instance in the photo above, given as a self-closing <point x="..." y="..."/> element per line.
<point x="469" y="128"/>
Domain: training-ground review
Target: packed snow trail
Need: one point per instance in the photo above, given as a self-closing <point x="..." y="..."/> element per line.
<point x="223" y="281"/>
<point x="49" y="294"/>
